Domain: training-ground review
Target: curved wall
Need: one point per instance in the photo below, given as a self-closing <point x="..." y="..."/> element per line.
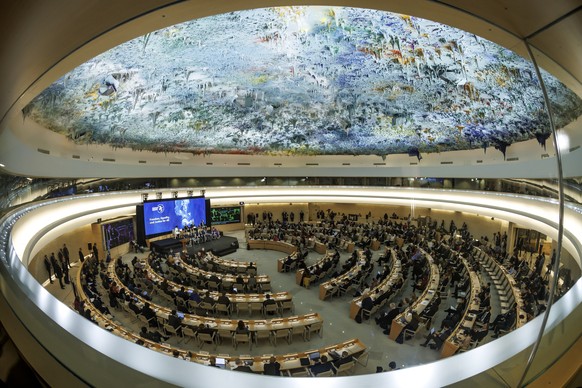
<point x="82" y="351"/>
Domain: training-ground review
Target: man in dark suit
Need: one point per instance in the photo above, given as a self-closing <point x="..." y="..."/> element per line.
<point x="268" y="301"/>
<point x="273" y="368"/>
<point x="321" y="366"/>
<point x="47" y="265"/>
<point x="66" y="255"/>
<point x="149" y="314"/>
<point x="57" y="270"/>
<point x="438" y="337"/>
<point x="367" y="304"/>
<point x="175" y="322"/>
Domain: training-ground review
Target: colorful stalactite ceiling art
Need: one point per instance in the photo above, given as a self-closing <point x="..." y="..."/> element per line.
<point x="304" y="81"/>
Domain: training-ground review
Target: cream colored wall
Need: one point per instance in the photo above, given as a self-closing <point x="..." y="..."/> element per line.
<point x="277" y="210"/>
<point x="74" y="240"/>
<point x="478" y="225"/>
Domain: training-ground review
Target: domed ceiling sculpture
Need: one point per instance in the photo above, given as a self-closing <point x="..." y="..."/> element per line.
<point x="304" y="81"/>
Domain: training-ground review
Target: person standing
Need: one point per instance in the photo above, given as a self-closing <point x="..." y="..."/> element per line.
<point x="65" y="270"/>
<point x="95" y="251"/>
<point x="58" y="270"/>
<point x="81" y="255"/>
<point x="66" y="255"/>
<point x="47" y="265"/>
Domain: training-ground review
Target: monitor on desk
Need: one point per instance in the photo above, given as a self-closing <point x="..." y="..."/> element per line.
<point x="314" y="356"/>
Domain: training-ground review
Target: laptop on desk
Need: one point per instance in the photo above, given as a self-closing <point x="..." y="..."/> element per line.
<point x="221" y="362"/>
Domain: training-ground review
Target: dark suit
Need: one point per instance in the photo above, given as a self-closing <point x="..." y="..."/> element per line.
<point x="320" y="368"/>
<point x="272" y="369"/>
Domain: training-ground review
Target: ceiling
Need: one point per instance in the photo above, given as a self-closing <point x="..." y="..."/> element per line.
<point x="292" y="91"/>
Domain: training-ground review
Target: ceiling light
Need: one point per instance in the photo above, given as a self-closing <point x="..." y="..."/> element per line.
<point x="2" y="165"/>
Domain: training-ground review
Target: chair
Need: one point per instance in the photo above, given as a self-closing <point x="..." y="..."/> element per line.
<point x="287" y="305"/>
<point x="316" y="327"/>
<point x="223" y="334"/>
<point x="409" y="333"/>
<point x="303" y="372"/>
<point x="347" y="368"/>
<point x="261" y="335"/>
<point x="132" y="315"/>
<point x="145" y="320"/>
<point x="207" y="306"/>
<point x="188" y="332"/>
<point x="297" y="330"/>
<point x="362" y="359"/>
<point x="270" y="308"/>
<point x="255" y="306"/>
<point x="161" y="322"/>
<point x="265" y="287"/>
<point x="223" y="308"/>
<point x="206" y="338"/>
<point x="328" y="373"/>
<point x="242" y="338"/>
<point x="192" y="305"/>
<point x="213" y="286"/>
<point x="177" y="331"/>
<point x="281" y="333"/>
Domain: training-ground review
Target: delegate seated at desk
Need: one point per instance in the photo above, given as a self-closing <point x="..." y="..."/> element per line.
<point x="321" y="366"/>
<point x="268" y="301"/>
<point x="438" y="337"/>
<point x="345" y="358"/>
<point x="240" y="367"/>
<point x="273" y="368"/>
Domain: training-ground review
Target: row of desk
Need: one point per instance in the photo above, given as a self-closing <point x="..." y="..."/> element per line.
<point x="234" y="298"/>
<point x="384" y="286"/>
<point x="320" y="262"/>
<point x="227" y="265"/>
<point x="521" y="315"/>
<point x="280" y="246"/>
<point x="255" y="326"/>
<point x="456" y="339"/>
<point x="224" y="277"/>
<point x="419" y="304"/>
<point x="326" y="288"/>
<point x="289" y="362"/>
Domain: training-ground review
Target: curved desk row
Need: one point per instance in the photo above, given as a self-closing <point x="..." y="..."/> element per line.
<point x="381" y="288"/>
<point x="289" y="362"/>
<point x="419" y="304"/>
<point x="225" y="278"/>
<point x="505" y="284"/>
<point x="292" y="264"/>
<point x="261" y="325"/>
<point x="455" y="340"/>
<point x="236" y="299"/>
<point x="228" y="265"/>
<point x="327" y="288"/>
<point x="280" y="246"/>
<point x="322" y="260"/>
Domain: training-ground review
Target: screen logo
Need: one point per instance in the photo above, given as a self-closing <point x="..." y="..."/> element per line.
<point x="159" y="208"/>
